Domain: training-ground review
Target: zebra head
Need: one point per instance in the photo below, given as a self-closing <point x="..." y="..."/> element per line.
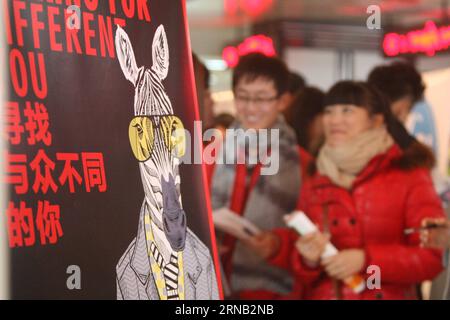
<point x="153" y="123"/>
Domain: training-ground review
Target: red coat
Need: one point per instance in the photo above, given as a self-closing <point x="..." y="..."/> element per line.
<point x="383" y="201"/>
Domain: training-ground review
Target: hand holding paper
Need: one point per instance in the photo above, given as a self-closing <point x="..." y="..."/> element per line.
<point x="304" y="226"/>
<point x="235" y="225"/>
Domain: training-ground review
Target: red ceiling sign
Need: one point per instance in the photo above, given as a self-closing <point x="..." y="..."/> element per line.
<point x="429" y="40"/>
<point x="253" y="8"/>
<point x="258" y="43"/>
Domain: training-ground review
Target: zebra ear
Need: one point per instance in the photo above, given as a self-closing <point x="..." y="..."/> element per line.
<point x="160" y="53"/>
<point x="125" y="55"/>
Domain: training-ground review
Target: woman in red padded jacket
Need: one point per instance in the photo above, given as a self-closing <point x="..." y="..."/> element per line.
<point x="364" y="192"/>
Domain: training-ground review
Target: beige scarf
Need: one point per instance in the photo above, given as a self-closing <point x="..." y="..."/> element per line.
<point x="342" y="164"/>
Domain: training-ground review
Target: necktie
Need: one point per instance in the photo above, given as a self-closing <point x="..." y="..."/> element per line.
<point x="170" y="272"/>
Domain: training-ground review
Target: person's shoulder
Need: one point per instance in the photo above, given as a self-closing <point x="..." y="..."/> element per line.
<point x="416" y="158"/>
<point x="418" y="176"/>
<point x="412" y="166"/>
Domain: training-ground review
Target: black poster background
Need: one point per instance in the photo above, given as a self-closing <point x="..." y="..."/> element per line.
<point x="90" y="104"/>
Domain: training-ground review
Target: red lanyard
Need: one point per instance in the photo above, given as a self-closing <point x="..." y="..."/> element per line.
<point x="241" y="191"/>
<point x="239" y="197"/>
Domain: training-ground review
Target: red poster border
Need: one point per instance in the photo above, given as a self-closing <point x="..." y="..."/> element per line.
<point x="199" y="135"/>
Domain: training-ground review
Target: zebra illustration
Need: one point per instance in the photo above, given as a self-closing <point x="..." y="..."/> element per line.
<point x="165" y="260"/>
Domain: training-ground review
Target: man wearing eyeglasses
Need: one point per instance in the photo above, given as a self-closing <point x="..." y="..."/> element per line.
<point x="260" y="85"/>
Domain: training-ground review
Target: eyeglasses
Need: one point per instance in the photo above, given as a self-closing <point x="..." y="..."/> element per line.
<point x="257" y="101"/>
<point x="141" y="132"/>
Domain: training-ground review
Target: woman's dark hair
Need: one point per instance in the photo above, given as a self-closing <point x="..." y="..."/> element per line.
<point x="306" y="106"/>
<point x="296" y="83"/>
<point x="258" y="65"/>
<point x="364" y="95"/>
<point x="398" y="80"/>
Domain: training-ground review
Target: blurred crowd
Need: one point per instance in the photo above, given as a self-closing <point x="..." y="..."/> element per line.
<point x="346" y="161"/>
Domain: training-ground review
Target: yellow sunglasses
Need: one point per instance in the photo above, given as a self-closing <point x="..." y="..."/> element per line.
<point x="142" y="135"/>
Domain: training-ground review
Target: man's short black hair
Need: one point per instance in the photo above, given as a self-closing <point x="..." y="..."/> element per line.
<point x="398" y="80"/>
<point x="258" y="65"/>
